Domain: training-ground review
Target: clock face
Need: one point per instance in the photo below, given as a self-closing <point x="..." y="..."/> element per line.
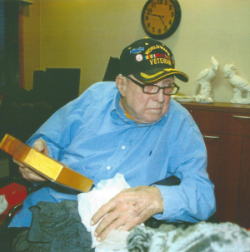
<point x="160" y="18"/>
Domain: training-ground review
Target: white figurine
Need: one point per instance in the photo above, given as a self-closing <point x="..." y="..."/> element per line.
<point x="203" y="81"/>
<point x="240" y="85"/>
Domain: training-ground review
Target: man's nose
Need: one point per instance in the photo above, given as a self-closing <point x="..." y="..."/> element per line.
<point x="160" y="97"/>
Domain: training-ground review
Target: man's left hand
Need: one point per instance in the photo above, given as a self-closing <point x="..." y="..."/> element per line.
<point x="129" y="208"/>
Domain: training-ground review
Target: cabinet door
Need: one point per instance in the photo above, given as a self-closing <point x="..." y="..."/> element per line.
<point x="236" y="124"/>
<point x="224" y="156"/>
<point x="207" y="121"/>
<point x="243" y="217"/>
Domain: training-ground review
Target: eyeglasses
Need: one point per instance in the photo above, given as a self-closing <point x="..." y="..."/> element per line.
<point x="169" y="89"/>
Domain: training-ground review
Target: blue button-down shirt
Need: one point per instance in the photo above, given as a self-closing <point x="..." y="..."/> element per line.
<point x="93" y="136"/>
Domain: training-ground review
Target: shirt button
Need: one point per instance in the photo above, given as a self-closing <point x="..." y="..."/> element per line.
<point x="123" y="147"/>
<point x="108" y="167"/>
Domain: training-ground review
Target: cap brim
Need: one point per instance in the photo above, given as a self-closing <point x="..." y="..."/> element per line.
<point x="160" y="74"/>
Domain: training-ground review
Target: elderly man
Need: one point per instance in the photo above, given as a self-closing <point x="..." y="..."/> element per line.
<point x="132" y="127"/>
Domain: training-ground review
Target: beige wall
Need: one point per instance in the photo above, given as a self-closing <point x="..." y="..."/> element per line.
<point x="85" y="33"/>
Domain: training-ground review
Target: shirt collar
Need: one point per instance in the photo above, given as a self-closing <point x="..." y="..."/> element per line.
<point x="117" y="112"/>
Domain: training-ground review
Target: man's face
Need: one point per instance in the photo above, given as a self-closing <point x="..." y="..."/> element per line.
<point x="143" y="108"/>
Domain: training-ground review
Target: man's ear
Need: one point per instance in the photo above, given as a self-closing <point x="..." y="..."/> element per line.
<point x="121" y="84"/>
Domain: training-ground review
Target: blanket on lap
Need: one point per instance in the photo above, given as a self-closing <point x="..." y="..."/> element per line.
<point x="205" y="237"/>
<point x="57" y="227"/>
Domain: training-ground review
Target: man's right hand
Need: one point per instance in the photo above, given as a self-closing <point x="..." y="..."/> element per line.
<point x="27" y="173"/>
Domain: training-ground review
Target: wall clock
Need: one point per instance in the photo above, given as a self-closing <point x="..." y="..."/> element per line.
<point x="161" y="18"/>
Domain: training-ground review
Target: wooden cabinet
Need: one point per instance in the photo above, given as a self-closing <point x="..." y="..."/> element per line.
<point x="226" y="131"/>
<point x="244" y="186"/>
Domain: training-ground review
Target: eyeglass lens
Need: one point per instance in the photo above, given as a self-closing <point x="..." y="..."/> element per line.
<point x="153" y="89"/>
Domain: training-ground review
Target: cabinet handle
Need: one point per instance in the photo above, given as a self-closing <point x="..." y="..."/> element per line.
<point x="241" y="117"/>
<point x="211" y="137"/>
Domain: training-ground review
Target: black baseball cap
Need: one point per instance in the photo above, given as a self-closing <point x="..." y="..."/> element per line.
<point x="149" y="61"/>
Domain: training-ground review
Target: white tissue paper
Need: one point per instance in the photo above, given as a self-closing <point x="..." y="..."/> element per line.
<point x="89" y="203"/>
<point x="3" y="204"/>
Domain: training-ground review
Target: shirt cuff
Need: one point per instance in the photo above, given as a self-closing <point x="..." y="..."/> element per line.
<point x="171" y="203"/>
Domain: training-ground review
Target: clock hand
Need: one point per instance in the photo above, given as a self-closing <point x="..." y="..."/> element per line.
<point x="163" y="23"/>
<point x="160" y="19"/>
<point x="155" y="15"/>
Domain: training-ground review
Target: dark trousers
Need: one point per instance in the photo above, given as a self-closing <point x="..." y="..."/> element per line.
<point x="7" y="236"/>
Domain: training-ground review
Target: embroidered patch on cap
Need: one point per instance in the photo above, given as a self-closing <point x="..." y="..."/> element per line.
<point x="137" y="50"/>
<point x="156" y="55"/>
